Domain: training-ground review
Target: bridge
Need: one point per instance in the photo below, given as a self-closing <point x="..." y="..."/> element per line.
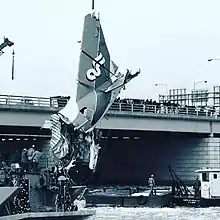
<point x="24" y="111"/>
<point x="181" y="135"/>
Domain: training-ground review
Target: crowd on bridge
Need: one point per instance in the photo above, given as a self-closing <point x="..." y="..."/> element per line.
<point x="166" y="107"/>
<point x="149" y="105"/>
<point x="27" y="159"/>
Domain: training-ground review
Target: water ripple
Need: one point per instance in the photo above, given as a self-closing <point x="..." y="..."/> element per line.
<point x="107" y="213"/>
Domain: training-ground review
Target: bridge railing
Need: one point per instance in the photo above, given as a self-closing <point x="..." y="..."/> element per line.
<point x="60" y="101"/>
<point x="157" y="109"/>
<point x="32" y="101"/>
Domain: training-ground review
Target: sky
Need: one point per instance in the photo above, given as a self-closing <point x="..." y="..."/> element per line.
<point x="169" y="40"/>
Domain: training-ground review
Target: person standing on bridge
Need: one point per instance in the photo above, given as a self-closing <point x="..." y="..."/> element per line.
<point x="36" y="159"/>
<point x="152" y="184"/>
<point x="30" y="155"/>
<point x="24" y="159"/>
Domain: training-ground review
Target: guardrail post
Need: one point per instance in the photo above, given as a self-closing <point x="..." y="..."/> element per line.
<point x="119" y="107"/>
<point x="23" y="100"/>
<point x="143" y="108"/>
<point x="38" y="101"/>
<point x="155" y="109"/>
<point x="187" y="110"/>
<point x="132" y="107"/>
<point x="7" y="100"/>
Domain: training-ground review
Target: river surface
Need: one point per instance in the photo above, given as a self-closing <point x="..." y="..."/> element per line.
<point x="107" y="213"/>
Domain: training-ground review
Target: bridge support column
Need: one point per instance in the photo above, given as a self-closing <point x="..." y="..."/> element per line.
<point x="47" y="160"/>
<point x="187" y="155"/>
<point x="211" y="129"/>
<point x="213" y="152"/>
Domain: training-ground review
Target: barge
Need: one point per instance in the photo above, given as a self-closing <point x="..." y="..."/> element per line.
<point x="128" y="197"/>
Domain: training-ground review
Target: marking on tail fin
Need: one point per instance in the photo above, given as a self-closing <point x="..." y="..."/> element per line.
<point x="95" y="72"/>
<point x="88" y="55"/>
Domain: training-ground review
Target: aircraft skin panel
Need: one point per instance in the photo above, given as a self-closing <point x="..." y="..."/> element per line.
<point x="103" y="49"/>
<point x="88" y="101"/>
<point x="114" y="94"/>
<point x="102" y="103"/>
<point x="90" y="45"/>
<point x="103" y="98"/>
<point x="70" y="111"/>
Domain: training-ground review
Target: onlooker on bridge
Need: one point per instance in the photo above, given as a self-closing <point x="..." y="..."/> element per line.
<point x="36" y="158"/>
<point x="24" y="159"/>
<point x="30" y="155"/>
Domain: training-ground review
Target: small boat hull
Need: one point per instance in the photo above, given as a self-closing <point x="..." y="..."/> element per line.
<point x="209" y="202"/>
<point x="195" y="202"/>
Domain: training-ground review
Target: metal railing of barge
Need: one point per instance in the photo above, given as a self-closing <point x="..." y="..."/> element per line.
<point x="59" y="102"/>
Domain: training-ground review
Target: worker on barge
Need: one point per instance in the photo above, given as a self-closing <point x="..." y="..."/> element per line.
<point x="152" y="184"/>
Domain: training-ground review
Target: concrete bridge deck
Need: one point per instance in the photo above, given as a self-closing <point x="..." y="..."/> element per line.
<point x="33" y="111"/>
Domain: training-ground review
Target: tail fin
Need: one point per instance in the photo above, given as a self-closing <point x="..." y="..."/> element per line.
<point x="95" y="64"/>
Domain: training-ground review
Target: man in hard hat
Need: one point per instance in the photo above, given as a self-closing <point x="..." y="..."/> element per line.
<point x="151" y="183"/>
<point x="196" y="186"/>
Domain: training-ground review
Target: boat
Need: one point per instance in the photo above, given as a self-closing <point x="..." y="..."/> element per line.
<point x="128" y="197"/>
<point x="208" y="193"/>
<point x="84" y="214"/>
<point x="210" y="187"/>
<point x="7" y="198"/>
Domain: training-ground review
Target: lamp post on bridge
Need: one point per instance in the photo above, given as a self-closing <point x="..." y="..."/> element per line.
<point x="213" y="58"/>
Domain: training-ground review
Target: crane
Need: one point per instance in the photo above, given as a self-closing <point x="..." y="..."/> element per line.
<point x="6" y="43"/>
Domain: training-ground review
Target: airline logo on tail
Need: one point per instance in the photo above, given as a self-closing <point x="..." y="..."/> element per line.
<point x="95" y="72"/>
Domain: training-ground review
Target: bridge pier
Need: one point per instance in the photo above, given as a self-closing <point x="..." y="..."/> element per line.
<point x="213" y="151"/>
<point x="211" y="129"/>
<point x="131" y="161"/>
<point x="47" y="160"/>
<point x="200" y="153"/>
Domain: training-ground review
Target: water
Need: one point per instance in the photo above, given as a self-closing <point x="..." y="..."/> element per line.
<point x="107" y="213"/>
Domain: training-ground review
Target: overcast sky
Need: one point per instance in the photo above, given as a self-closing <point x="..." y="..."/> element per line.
<point x="170" y="40"/>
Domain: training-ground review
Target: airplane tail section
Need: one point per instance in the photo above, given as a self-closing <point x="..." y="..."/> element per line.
<point x="95" y="65"/>
<point x="96" y="72"/>
<point x="98" y="84"/>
